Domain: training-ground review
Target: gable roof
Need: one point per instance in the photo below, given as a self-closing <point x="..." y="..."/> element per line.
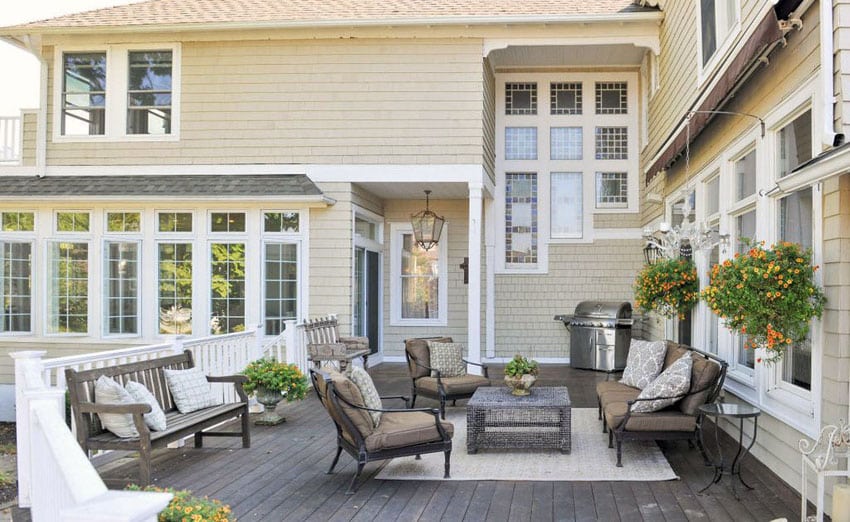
<point x="158" y="13"/>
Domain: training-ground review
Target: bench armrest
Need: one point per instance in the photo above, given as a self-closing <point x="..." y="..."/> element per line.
<point x="237" y="380"/>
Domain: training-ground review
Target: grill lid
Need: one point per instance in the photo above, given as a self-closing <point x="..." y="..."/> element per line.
<point x="602" y="310"/>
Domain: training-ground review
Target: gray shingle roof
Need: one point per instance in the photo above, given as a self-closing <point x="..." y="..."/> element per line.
<point x="189" y="186"/>
<point x="325" y="12"/>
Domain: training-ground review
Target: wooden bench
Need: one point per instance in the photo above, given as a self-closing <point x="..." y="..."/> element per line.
<point x="325" y="344"/>
<point x="93" y="436"/>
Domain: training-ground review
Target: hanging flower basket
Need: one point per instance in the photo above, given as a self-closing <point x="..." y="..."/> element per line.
<point x="769" y="295"/>
<point x="669" y="287"/>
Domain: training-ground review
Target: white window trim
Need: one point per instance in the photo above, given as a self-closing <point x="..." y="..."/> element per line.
<point x="723" y="48"/>
<point x="55" y="222"/>
<point x="26" y="237"/>
<point x="92" y="276"/>
<point x="120" y="237"/>
<point x="232" y="233"/>
<point x="116" y="92"/>
<point x="285" y="234"/>
<point x="278" y="239"/>
<point x="397" y="230"/>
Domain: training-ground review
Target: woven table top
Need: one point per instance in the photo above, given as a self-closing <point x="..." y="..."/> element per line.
<point x="500" y="396"/>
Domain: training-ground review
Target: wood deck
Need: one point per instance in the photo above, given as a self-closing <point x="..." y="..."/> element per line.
<point x="282" y="477"/>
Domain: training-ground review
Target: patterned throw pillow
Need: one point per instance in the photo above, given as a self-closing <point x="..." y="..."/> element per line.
<point x="156" y="418"/>
<point x="190" y="390"/>
<point x="371" y="399"/>
<point x="675" y="380"/>
<point x="107" y="391"/>
<point x="447" y="358"/>
<point x="644" y="363"/>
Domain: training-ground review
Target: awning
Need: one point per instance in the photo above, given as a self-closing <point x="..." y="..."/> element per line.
<point x="766" y="34"/>
<point x="289" y="187"/>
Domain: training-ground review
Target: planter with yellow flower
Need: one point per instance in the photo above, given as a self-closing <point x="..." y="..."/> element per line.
<point x="186" y="507"/>
<point x="768" y="295"/>
<point x="274" y="381"/>
<point x="669" y="287"/>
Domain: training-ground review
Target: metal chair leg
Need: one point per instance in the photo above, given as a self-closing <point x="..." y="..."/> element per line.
<point x="448" y="464"/>
<point x="351" y="488"/>
<point x="336" y="459"/>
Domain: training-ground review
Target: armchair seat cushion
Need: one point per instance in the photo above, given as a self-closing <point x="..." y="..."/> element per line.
<point x="624" y="395"/>
<point x="401" y="429"/>
<point x="462" y="385"/>
<point x="605" y="387"/>
<point x="670" y="419"/>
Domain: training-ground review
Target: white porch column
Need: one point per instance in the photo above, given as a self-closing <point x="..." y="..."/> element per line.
<point x="476" y="191"/>
<point x="490" y="279"/>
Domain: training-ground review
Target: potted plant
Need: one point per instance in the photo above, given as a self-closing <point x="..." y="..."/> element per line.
<point x="669" y="287"/>
<point x="520" y="374"/>
<point x="185" y="506"/>
<point x="769" y="295"/>
<point x="273" y="381"/>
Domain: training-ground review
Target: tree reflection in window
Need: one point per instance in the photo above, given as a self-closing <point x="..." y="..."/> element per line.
<point x="420" y="277"/>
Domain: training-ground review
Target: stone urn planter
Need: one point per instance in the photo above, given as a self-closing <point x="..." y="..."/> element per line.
<point x="274" y="381"/>
<point x="520" y="375"/>
<point x="520" y="385"/>
<point x="269" y="398"/>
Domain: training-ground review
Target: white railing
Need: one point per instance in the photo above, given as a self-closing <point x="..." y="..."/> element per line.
<point x="69" y="487"/>
<point x="296" y="344"/>
<point x="10" y="139"/>
<point x="44" y="379"/>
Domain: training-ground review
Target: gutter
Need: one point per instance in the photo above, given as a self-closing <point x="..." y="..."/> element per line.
<point x="645" y="16"/>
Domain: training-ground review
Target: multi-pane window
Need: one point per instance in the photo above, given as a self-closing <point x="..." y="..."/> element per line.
<point x="174" y="221"/>
<point x="18" y="221"/>
<point x="565" y="143"/>
<point x="227" y="222"/>
<point x="278" y="222"/>
<point x="420" y="280"/>
<point x="16" y="286"/>
<point x="565" y="98"/>
<point x="149" y="87"/>
<point x="520" y="98"/>
<point x="795" y="143"/>
<point x="612" y="98"/>
<point x="713" y="319"/>
<point x="227" y="297"/>
<point x="83" y="94"/>
<point x="712" y="196"/>
<point x="717" y="19"/>
<point x="520" y="143"/>
<point x="612" y="143"/>
<point x="72" y="221"/>
<point x="175" y="288"/>
<point x="67" y="303"/>
<point x="123" y="222"/>
<point x="281" y="285"/>
<point x="122" y="287"/>
<point x="745" y="232"/>
<point x="745" y="175"/>
<point x="521" y="218"/>
<point x="567" y="214"/>
<point x="612" y="189"/>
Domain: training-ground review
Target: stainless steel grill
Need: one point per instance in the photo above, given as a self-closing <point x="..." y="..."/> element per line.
<point x="600" y="334"/>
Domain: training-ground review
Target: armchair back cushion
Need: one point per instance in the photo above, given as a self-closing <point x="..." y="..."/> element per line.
<point x="703" y="377"/>
<point x="371" y="399"/>
<point x="674" y="381"/>
<point x="447" y="358"/>
<point x="418" y="351"/>
<point x="644" y="363"/>
<point x="348" y="392"/>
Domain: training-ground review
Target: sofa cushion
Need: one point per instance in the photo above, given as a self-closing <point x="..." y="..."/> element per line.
<point x="401" y="429"/>
<point x="625" y="395"/>
<point x="704" y="375"/>
<point x="674" y="351"/>
<point x="447" y="358"/>
<point x="604" y="387"/>
<point x="674" y="381"/>
<point x="367" y="389"/>
<point x="670" y="419"/>
<point x="644" y="363"/>
<point x="350" y="393"/>
<point x="418" y="351"/>
<point x="463" y="385"/>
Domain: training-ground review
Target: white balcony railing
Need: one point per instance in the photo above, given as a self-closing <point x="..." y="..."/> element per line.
<point x="67" y="482"/>
<point x="10" y="140"/>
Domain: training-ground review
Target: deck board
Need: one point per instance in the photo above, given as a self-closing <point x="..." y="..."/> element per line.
<point x="283" y="477"/>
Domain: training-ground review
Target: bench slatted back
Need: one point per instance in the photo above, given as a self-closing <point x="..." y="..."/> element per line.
<point x="322" y="330"/>
<point x="149" y="373"/>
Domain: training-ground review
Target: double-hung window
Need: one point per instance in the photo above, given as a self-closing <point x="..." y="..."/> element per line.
<point x="227" y="272"/>
<point x="420" y="283"/>
<point x="68" y="273"/>
<point x="16" y="271"/>
<point x="280" y="269"/>
<point x="149" y="92"/>
<point x="717" y="22"/>
<point x="121" y="273"/>
<point x="83" y="94"/>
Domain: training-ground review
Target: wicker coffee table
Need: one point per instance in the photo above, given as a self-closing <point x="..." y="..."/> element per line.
<point x="497" y="419"/>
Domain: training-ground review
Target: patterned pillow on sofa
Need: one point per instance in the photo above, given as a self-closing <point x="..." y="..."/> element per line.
<point x="644" y="363"/>
<point x="674" y="381"/>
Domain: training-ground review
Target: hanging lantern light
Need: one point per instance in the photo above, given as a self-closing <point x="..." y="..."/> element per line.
<point x="427" y="225"/>
<point x="651" y="253"/>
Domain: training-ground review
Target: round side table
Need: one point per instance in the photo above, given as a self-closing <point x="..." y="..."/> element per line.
<point x="721" y="467"/>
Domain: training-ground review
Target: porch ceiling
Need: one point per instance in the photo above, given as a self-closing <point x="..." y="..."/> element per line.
<point x="414" y="190"/>
<point x="567" y="56"/>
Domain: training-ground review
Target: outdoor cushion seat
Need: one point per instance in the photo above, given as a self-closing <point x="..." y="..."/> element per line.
<point x="463" y="385"/>
<point x="668" y="419"/>
<point x="176" y="422"/>
<point x="605" y="386"/>
<point x="622" y="396"/>
<point x="400" y="429"/>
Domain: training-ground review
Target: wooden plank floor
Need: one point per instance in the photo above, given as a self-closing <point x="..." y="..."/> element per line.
<point x="282" y="477"/>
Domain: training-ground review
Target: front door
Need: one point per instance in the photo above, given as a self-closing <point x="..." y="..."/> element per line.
<point x="367" y="295"/>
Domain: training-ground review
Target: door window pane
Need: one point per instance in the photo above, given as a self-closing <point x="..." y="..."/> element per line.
<point x="566" y="204"/>
<point x="16" y="286"/>
<point x="745" y="175"/>
<point x="227" y="297"/>
<point x="521" y="143"/>
<point x="521" y="218"/>
<point x="565" y="143"/>
<point x="83" y="94"/>
<point x="281" y="285"/>
<point x="68" y="287"/>
<point x="149" y="92"/>
<point x="175" y="288"/>
<point x="122" y="287"/>
<point x="795" y="143"/>
<point x="420" y="278"/>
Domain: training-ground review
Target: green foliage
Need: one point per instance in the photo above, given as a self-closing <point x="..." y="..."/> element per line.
<point x="187" y="508"/>
<point x="670" y="287"/>
<point x="283" y="377"/>
<point x="768" y="295"/>
<point x="519" y="366"/>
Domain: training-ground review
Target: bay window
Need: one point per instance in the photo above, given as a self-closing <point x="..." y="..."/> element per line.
<point x="227" y="297"/>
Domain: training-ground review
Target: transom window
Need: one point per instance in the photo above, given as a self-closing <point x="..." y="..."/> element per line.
<point x="174" y="221"/>
<point x="279" y="222"/>
<point x="149" y="92"/>
<point x="123" y="222"/>
<point x="72" y="221"/>
<point x="520" y="98"/>
<point x="227" y="222"/>
<point x="565" y="97"/>
<point x="83" y="94"/>
<point x="18" y="221"/>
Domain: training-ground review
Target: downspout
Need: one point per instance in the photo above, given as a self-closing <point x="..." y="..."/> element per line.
<point x="827" y="57"/>
<point x="41" y="126"/>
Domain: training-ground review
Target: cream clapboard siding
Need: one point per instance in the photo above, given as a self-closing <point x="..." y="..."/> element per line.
<point x="841" y="37"/>
<point x="366" y="200"/>
<point x="403" y="101"/>
<point x="788" y="69"/>
<point x="680" y="58"/>
<point x="29" y="128"/>
<point x="489" y="120"/>
<point x="456" y="213"/>
<point x="526" y="304"/>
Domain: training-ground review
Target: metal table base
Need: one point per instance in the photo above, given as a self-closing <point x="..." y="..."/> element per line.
<point x="721" y="467"/>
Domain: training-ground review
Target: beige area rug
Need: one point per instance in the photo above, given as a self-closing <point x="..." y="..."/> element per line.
<point x="590" y="459"/>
